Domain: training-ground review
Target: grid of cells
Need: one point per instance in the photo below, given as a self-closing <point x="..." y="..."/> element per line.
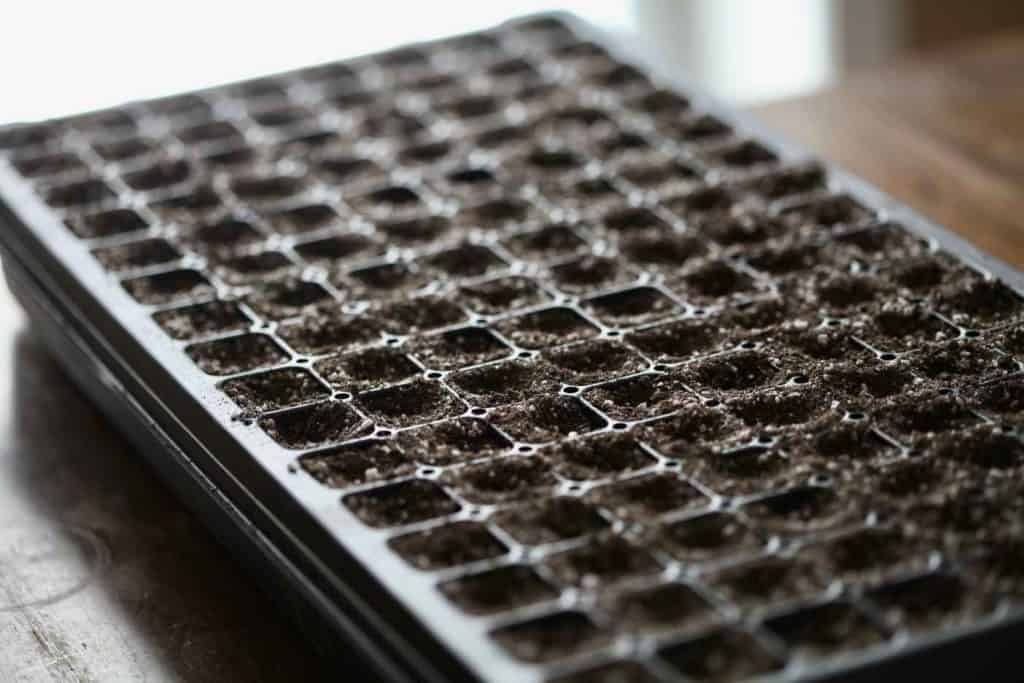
<point x="654" y="401"/>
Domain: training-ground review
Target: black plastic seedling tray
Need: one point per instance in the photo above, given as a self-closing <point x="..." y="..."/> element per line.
<point x="500" y="358"/>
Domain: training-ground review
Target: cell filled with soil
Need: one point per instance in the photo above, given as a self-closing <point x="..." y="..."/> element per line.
<point x="497" y="214"/>
<point x="676" y="340"/>
<point x="792" y="259"/>
<point x="589" y="272"/>
<point x="458" y="348"/>
<point x="593" y="361"/>
<point x="55" y="163"/>
<point x="200" y="203"/>
<point x="634" y="219"/>
<point x="367" y="369"/>
<point x="646" y="496"/>
<point x="267" y="189"/>
<point x="406" y="502"/>
<point x="303" y="219"/>
<point x="417" y="314"/>
<point x="768" y="582"/>
<point x="631" y="307"/>
<point x="598" y="457"/>
<point x="403" y="405"/>
<point x="1003" y="399"/>
<point x="202" y="320"/>
<point x="361" y="462"/>
<point x="843" y="293"/>
<point x="927" y="602"/>
<point x="710" y="282"/>
<point x="500" y="383"/>
<point x="289" y="299"/>
<point x="1001" y="569"/>
<point x="980" y="303"/>
<point x="962" y="361"/>
<point x="465" y="261"/>
<point x="546" y="327"/>
<point x="503" y="479"/>
<point x="447" y="546"/>
<point x="253" y="268"/>
<point x="886" y="243"/>
<point x="160" y="175"/>
<point x="826" y="630"/>
<point x="107" y="223"/>
<point x="384" y="280"/>
<point x="29" y="135"/>
<point x="414" y="231"/>
<point x="551" y="637"/>
<point x="605" y="560"/>
<point x="721" y="656"/>
<point x="328" y="333"/>
<point x="502" y="295"/>
<point x="985" y="446"/>
<point x="139" y="254"/>
<point x="586" y="194"/>
<point x="175" y="286"/>
<point x="314" y="425"/>
<point x="693" y="425"/>
<point x="741" y="156"/>
<point x="236" y="354"/>
<point x="730" y="372"/>
<point x="829" y="212"/>
<point x="899" y="326"/>
<point x="703" y="202"/>
<point x="920" y="413"/>
<point x="1011" y="341"/>
<point x="873" y="552"/>
<point x="803" y="340"/>
<point x="273" y="390"/>
<point x="228" y="234"/>
<point x="787" y="182"/>
<point x="780" y="406"/>
<point x="389" y="202"/>
<point x="712" y="536"/>
<point x="639" y="397"/>
<point x="801" y="508"/>
<point x="453" y="441"/>
<point x="547" y="418"/>
<point x="674" y="607"/>
<point x="551" y="242"/>
<point x="741" y="230"/>
<point x="498" y="590"/>
<point x="661" y="251"/>
<point x="615" y="672"/>
<point x="839" y="443"/>
<point x="338" y="250"/>
<point x="550" y="520"/>
<point x="742" y="466"/>
<point x="79" y="194"/>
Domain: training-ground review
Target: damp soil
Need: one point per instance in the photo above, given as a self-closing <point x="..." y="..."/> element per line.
<point x="551" y="637"/>
<point x="962" y="361"/>
<point x="409" y="403"/>
<point x="547" y="418"/>
<point x="641" y="498"/>
<point x="593" y="361"/>
<point x="398" y="504"/>
<point x="605" y="560"/>
<point x="202" y="320"/>
<point x="314" y="425"/>
<point x="141" y="254"/>
<point x="631" y="307"/>
<point x="357" y="463"/>
<point x="900" y="326"/>
<point x="175" y="286"/>
<point x="640" y="396"/>
<point x="272" y="390"/>
<point x="502" y="479"/>
<point x="366" y="369"/>
<point x="728" y="372"/>
<point x="672" y="607"/>
<point x="827" y="630"/>
<point x="722" y="655"/>
<point x="1004" y="399"/>
<point x="453" y="441"/>
<point x="768" y="582"/>
<point x="551" y="520"/>
<point x="419" y="314"/>
<point x="236" y="354"/>
<point x="289" y="299"/>
<point x="801" y="508"/>
<point x="677" y="340"/>
<point x="446" y="546"/>
<point x="502" y="295"/>
<point x="616" y="672"/>
<point x="330" y="333"/>
<point x="458" y="348"/>
<point x="500" y="383"/>
<point x="498" y="590"/>
<point x="693" y="425"/>
<point x="598" y="457"/>
<point x="911" y="415"/>
<point x="546" y="327"/>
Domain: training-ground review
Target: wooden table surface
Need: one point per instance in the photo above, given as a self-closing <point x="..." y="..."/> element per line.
<point x="104" y="576"/>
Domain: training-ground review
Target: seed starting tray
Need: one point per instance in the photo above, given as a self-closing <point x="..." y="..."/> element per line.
<point x="501" y="359"/>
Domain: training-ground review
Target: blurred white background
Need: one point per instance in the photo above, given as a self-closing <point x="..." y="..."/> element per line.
<point x="61" y="57"/>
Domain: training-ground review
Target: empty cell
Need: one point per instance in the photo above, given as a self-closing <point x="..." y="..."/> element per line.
<point x="593" y="361"/>
<point x="673" y="607"/>
<point x="631" y="307"/>
<point x="289" y="298"/>
<point x="305" y="218"/>
<point x="334" y="251"/>
<point x="639" y="397"/>
<point x="503" y="136"/>
<point x="551" y="242"/>
<point x="259" y="88"/>
<point x="825" y="630"/>
<point x="465" y="260"/>
<point x="267" y="188"/>
<point x="503" y="479"/>
<point x="77" y="194"/>
<point x="403" y="405"/>
<point x="599" y="457"/>
<point x="712" y="536"/>
<point x="549" y="520"/>
<point x="551" y="637"/>
<point x="170" y="287"/>
<point x="453" y="441"/>
<point x="273" y="390"/>
<point x="160" y="175"/>
<point x="648" y="495"/>
<point x="722" y="656"/>
<point x="553" y="159"/>
<point x="254" y="268"/>
<point x="459" y="348"/>
<point x="661" y="251"/>
<point x="676" y="340"/>
<point x="547" y="418"/>
<point x="498" y="590"/>
<point x="403" y="503"/>
<point x="236" y="354"/>
<point x="55" y="163"/>
<point x="500" y="383"/>
<point x="389" y="123"/>
<point x="201" y="320"/>
<point x="605" y="560"/>
<point x="329" y="333"/>
<point x="240" y="156"/>
<point x="360" y="462"/>
<point x="502" y="295"/>
<point x="336" y="72"/>
<point x="367" y="369"/>
<point x="137" y="254"/>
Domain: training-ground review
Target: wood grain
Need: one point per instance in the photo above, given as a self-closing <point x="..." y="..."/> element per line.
<point x="943" y="133"/>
